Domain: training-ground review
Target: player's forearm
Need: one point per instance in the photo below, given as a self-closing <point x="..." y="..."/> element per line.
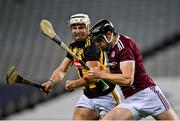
<point x="81" y="82"/>
<point x="119" y="79"/>
<point x="57" y="76"/>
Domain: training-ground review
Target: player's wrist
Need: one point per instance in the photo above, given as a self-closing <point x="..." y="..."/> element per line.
<point x="102" y="75"/>
<point x="53" y="83"/>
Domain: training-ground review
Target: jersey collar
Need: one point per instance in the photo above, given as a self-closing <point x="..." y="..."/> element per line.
<point x="116" y="41"/>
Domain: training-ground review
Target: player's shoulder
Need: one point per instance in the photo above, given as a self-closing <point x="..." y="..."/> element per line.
<point x="92" y="47"/>
<point x="77" y="44"/>
<point x="125" y="38"/>
<point x="72" y="44"/>
<point x="126" y="41"/>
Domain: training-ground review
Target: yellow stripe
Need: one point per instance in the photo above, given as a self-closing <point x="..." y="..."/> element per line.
<point x="116" y="97"/>
<point x="92" y="85"/>
<point x="101" y="57"/>
<point x="87" y="42"/>
<point x="102" y="65"/>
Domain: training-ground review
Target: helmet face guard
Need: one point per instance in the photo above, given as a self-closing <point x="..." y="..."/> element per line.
<point x="80" y="19"/>
<point x="97" y="37"/>
<point x="100" y="29"/>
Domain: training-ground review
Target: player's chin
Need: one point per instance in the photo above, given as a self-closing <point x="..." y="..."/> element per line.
<point x="79" y="39"/>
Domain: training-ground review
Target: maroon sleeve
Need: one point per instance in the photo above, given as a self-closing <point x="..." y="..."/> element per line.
<point x="126" y="54"/>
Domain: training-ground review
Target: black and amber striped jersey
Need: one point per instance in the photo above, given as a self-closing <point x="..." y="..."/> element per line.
<point x="87" y="51"/>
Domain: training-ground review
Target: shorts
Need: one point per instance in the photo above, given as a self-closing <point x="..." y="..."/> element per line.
<point x="101" y="104"/>
<point x="148" y="102"/>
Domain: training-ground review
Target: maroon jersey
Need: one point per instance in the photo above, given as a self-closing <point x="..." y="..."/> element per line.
<point x="125" y="49"/>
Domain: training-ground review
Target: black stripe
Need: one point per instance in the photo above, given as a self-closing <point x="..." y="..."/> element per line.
<point x="8" y="76"/>
<point x="78" y="17"/>
<point x="80" y="72"/>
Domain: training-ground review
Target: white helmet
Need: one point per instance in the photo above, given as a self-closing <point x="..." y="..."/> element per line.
<point x="79" y="19"/>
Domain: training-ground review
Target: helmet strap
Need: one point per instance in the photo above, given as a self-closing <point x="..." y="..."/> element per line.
<point x="106" y="39"/>
<point x="108" y="42"/>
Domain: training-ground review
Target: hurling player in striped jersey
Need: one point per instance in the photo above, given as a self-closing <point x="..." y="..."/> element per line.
<point x="95" y="100"/>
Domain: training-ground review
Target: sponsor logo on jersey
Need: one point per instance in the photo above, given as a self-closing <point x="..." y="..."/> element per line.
<point x="77" y="65"/>
<point x="112" y="64"/>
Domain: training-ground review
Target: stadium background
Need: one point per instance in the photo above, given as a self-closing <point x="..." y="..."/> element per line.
<point x="154" y="24"/>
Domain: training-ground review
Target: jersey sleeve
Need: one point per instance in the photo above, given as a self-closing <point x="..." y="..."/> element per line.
<point x="92" y="53"/>
<point x="126" y="54"/>
<point x="69" y="55"/>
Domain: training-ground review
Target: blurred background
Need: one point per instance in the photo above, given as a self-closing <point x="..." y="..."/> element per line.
<point x="154" y="24"/>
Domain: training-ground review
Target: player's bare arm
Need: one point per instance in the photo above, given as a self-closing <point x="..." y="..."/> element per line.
<point x="94" y="65"/>
<point x="126" y="78"/>
<point x="58" y="74"/>
<point x="72" y="84"/>
<point x="63" y="68"/>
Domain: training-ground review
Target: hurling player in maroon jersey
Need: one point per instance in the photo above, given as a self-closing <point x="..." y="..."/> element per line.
<point x="142" y="96"/>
